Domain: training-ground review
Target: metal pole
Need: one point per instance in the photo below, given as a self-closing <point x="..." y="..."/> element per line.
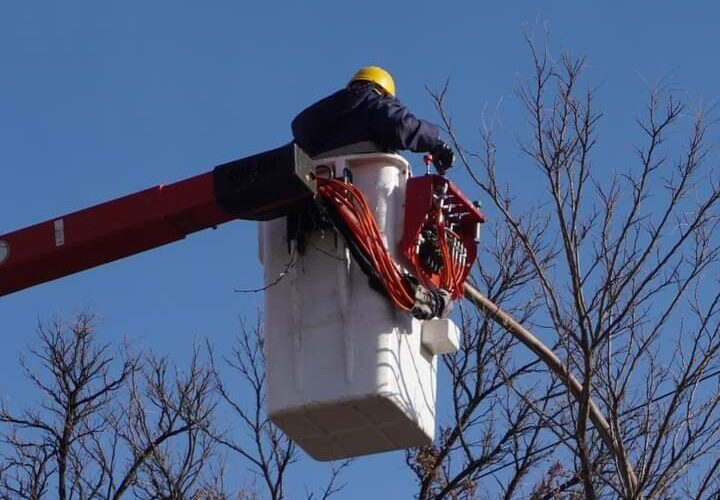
<point x="553" y="362"/>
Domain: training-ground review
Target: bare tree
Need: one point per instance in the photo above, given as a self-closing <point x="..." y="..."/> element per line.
<point x="624" y="262"/>
<point x="502" y="399"/>
<point x="106" y="424"/>
<point x="168" y="416"/>
<point x="78" y="381"/>
<point x="113" y="425"/>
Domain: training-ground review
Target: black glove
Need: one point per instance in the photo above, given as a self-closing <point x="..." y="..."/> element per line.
<point x="443" y="158"/>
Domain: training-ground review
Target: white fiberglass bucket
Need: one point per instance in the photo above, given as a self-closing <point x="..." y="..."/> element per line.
<point x="346" y="371"/>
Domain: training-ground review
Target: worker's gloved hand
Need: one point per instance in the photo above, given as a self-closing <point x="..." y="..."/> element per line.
<point x="443" y="158"/>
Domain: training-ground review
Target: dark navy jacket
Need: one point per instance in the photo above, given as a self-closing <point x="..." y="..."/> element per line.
<point x="358" y="113"/>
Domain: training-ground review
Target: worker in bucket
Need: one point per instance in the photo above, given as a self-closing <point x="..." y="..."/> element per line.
<point x="366" y="117"/>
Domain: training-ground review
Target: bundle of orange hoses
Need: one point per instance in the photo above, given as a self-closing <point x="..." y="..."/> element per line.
<point x="351" y="206"/>
<point x="451" y="273"/>
<point x="450" y="276"/>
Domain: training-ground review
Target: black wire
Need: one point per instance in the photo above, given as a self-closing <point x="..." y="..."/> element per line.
<point x="294" y="255"/>
<point x="283" y="273"/>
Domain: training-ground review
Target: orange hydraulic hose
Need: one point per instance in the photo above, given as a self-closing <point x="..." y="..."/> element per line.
<point x="353" y="209"/>
<point x="351" y="206"/>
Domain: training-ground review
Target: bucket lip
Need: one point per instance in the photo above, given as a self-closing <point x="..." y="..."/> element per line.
<point x="393" y="158"/>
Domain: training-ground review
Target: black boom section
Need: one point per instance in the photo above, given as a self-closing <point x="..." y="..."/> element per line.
<point x="266" y="185"/>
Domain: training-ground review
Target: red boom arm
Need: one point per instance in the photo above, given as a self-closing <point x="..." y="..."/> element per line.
<point x="258" y="187"/>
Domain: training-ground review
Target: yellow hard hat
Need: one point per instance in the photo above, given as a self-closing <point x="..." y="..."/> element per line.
<point x="376" y="75"/>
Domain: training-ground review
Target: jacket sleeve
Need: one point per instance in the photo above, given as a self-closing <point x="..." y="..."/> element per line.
<point x="393" y="125"/>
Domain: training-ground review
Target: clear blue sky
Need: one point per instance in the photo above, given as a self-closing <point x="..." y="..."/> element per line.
<point x="100" y="99"/>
